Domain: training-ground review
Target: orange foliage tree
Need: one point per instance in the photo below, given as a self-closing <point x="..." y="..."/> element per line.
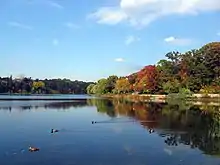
<point x="147" y="80"/>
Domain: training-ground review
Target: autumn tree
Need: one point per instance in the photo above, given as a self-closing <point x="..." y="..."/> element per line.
<point x="122" y="85"/>
<point x="38" y="86"/>
<point x="147" y="80"/>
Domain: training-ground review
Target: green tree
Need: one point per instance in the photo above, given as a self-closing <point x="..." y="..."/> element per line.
<point x="89" y="89"/>
<point x="171" y="86"/>
<point x="211" y="56"/>
<point x="101" y="86"/>
<point x="110" y="84"/>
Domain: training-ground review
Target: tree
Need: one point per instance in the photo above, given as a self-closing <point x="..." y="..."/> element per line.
<point x="147" y="80"/>
<point x="49" y="86"/>
<point x="94" y="89"/>
<point x="101" y="86"/>
<point x="171" y="86"/>
<point x="10" y="84"/>
<point x="38" y="86"/>
<point x="132" y="78"/>
<point x="110" y="84"/>
<point x="197" y="74"/>
<point x="122" y="85"/>
<point x="211" y="55"/>
<point x="89" y="89"/>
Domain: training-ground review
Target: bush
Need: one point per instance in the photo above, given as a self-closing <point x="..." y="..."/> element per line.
<point x="171" y="87"/>
<point x="185" y="91"/>
<point x="211" y="89"/>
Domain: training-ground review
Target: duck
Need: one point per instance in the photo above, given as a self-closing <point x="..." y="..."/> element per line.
<point x="151" y="131"/>
<point x="93" y="122"/>
<point x="54" y="130"/>
<point x="33" y="149"/>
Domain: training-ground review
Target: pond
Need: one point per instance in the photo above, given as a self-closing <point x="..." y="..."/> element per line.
<point x="43" y="96"/>
<point x="123" y="133"/>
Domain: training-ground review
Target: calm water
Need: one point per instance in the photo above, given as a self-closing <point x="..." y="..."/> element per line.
<point x="125" y="133"/>
<point x="44" y="96"/>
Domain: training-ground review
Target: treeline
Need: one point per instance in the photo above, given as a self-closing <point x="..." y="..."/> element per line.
<point x="48" y="86"/>
<point x="195" y="71"/>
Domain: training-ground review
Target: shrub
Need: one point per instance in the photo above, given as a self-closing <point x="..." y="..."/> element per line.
<point x="185" y="91"/>
<point x="211" y="89"/>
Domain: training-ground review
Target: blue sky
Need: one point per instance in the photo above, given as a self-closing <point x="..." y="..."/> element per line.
<point x="91" y="39"/>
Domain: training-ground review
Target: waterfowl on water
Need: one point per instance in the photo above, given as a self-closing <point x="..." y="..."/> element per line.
<point x="33" y="149"/>
<point x="54" y="130"/>
<point x="151" y="131"/>
<point x="93" y="122"/>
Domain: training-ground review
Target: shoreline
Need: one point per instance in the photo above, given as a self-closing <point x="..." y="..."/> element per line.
<point x="164" y="98"/>
<point x="205" y="98"/>
<point x="195" y="99"/>
<point x="43" y="99"/>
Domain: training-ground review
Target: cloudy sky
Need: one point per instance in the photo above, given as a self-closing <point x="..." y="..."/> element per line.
<point x="90" y="39"/>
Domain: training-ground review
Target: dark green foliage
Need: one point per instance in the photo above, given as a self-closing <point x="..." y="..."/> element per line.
<point x="53" y="86"/>
<point x="110" y="85"/>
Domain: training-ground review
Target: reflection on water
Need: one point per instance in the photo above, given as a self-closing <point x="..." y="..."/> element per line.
<point x="179" y="131"/>
<point x="29" y="105"/>
<point x="195" y="126"/>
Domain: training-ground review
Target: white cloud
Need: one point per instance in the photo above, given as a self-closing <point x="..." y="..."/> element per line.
<point x="20" y="25"/>
<point x="119" y="60"/>
<point x="130" y="39"/>
<point x="178" y="41"/>
<point x="55" y="5"/>
<point x="55" y="42"/>
<point x="50" y="3"/>
<point x="140" y="13"/>
<point x="108" y="15"/>
<point x="72" y="25"/>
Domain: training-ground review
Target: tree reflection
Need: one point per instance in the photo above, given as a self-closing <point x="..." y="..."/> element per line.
<point x="45" y="105"/>
<point x="103" y="106"/>
<point x="195" y="126"/>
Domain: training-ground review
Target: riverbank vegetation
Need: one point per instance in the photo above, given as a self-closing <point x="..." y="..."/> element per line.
<point x="26" y="85"/>
<point x="194" y="71"/>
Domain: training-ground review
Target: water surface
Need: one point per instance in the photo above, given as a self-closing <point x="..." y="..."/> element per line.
<point x="44" y="96"/>
<point x="125" y="133"/>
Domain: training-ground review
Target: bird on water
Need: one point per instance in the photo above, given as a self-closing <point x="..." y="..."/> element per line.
<point x="33" y="149"/>
<point x="54" y="130"/>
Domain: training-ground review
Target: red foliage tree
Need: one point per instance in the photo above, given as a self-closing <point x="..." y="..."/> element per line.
<point x="147" y="79"/>
<point x="183" y="73"/>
